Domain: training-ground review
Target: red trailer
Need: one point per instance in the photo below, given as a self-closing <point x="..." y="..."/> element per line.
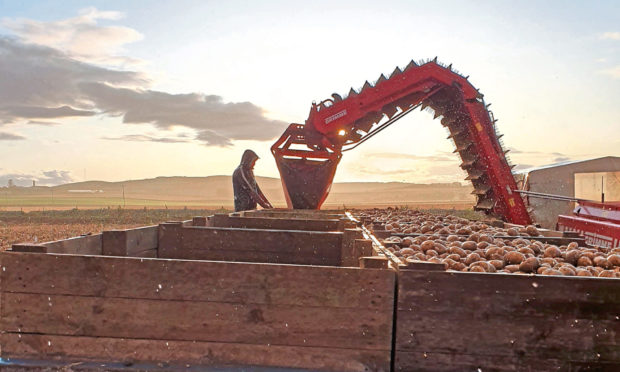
<point x="599" y="223"/>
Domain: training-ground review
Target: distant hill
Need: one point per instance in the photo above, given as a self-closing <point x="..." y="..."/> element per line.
<point x="217" y="191"/>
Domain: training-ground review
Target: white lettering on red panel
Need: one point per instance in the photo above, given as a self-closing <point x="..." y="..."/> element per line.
<point x="335" y="116"/>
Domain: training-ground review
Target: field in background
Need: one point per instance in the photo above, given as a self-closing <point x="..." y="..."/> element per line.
<point x="38" y="214"/>
<point x="216" y="192"/>
<point x="42" y="226"/>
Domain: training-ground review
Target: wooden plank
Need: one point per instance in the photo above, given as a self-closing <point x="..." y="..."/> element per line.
<point x="508" y="334"/>
<point x="85" y="244"/>
<point x="31" y="248"/>
<point x="349" y="254"/>
<point x="374" y="262"/>
<point x="196" y="321"/>
<point x="193" y="353"/>
<point x="224" y="220"/>
<point x="116" y="277"/>
<point x="131" y="242"/>
<point x="472" y="320"/>
<point x="297" y="213"/>
<point x="556" y="291"/>
<point x="199" y="221"/>
<point x="431" y="361"/>
<point x="256" y="245"/>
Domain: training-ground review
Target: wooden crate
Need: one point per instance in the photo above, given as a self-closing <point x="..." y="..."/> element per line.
<point x="453" y="321"/>
<point x="250" y="245"/>
<point x="276" y="223"/>
<point x="72" y="307"/>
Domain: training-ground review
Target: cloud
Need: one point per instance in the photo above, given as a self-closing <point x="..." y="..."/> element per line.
<point x="40" y="82"/>
<point x="47" y="73"/>
<point x="385" y="172"/>
<point x="44" y="123"/>
<point x="561" y="159"/>
<point x="218" y="122"/>
<point x="610" y="36"/>
<point x="523" y="166"/>
<point x="80" y="37"/>
<point x="146" y="138"/>
<point x="398" y="155"/>
<point x="44" y="178"/>
<point x="4" y="136"/>
<point x="613" y="72"/>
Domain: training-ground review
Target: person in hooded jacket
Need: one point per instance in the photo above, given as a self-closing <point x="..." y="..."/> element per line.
<point x="246" y="190"/>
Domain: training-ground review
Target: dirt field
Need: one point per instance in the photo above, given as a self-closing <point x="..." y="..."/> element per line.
<point x="42" y="226"/>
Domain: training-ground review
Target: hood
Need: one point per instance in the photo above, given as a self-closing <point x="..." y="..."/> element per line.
<point x="248" y="157"/>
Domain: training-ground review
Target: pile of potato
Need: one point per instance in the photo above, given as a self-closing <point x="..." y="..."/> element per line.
<point x="464" y="245"/>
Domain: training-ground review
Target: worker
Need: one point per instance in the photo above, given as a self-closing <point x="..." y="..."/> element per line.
<point x="247" y="192"/>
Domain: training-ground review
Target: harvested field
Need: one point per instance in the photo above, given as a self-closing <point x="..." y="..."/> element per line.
<point x="42" y="226"/>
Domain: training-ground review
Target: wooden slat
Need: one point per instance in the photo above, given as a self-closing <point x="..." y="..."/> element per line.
<point x="86" y="245"/>
<point x="193" y="353"/>
<point x="298" y="213"/>
<point x="473" y="320"/>
<point x="195" y="321"/>
<point x="430" y="361"/>
<point x="117" y="277"/>
<point x="224" y="220"/>
<point x="130" y="242"/>
<point x="255" y="245"/>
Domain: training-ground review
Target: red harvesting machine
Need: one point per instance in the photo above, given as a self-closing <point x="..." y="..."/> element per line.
<point x="599" y="223"/>
<point x="307" y="155"/>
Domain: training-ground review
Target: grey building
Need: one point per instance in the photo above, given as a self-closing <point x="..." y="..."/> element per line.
<point x="584" y="179"/>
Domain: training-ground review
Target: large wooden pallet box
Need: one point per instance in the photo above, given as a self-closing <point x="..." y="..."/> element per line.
<point x="454" y="321"/>
<point x="197" y="306"/>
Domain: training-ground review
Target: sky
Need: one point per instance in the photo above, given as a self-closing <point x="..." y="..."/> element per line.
<point x="115" y="90"/>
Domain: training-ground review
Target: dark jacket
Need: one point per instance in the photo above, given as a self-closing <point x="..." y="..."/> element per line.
<point x="246" y="190"/>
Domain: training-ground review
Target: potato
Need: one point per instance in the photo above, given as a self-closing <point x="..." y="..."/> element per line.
<point x="456" y="250"/>
<point x="512" y="232"/>
<point x="583" y="272"/>
<point x="485" y="265"/>
<point x="472" y="257"/>
<point x="526" y="251"/>
<point x="407" y="252"/>
<point x="607" y="274"/>
<point x="498" y="264"/>
<point x="483" y="244"/>
<point x="565" y="270"/>
<point x="584" y="261"/>
<point x="572" y="256"/>
<point x="531" y="230"/>
<point x="431" y="253"/>
<point x="452" y="238"/>
<point x="529" y="265"/>
<point x="602" y="262"/>
<point x="614" y="259"/>
<point x="552" y="252"/>
<point x="514" y="258"/>
<point x="572" y="245"/>
<point x="439" y="247"/>
<point x="512" y="268"/>
<point x="485" y="238"/>
<point x="454" y="256"/>
<point x="551" y="272"/>
<point x="476" y="269"/>
<point x="426" y="245"/>
<point x="469" y="245"/>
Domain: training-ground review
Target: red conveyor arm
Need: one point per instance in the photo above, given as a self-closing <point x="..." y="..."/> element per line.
<point x="307" y="155"/>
